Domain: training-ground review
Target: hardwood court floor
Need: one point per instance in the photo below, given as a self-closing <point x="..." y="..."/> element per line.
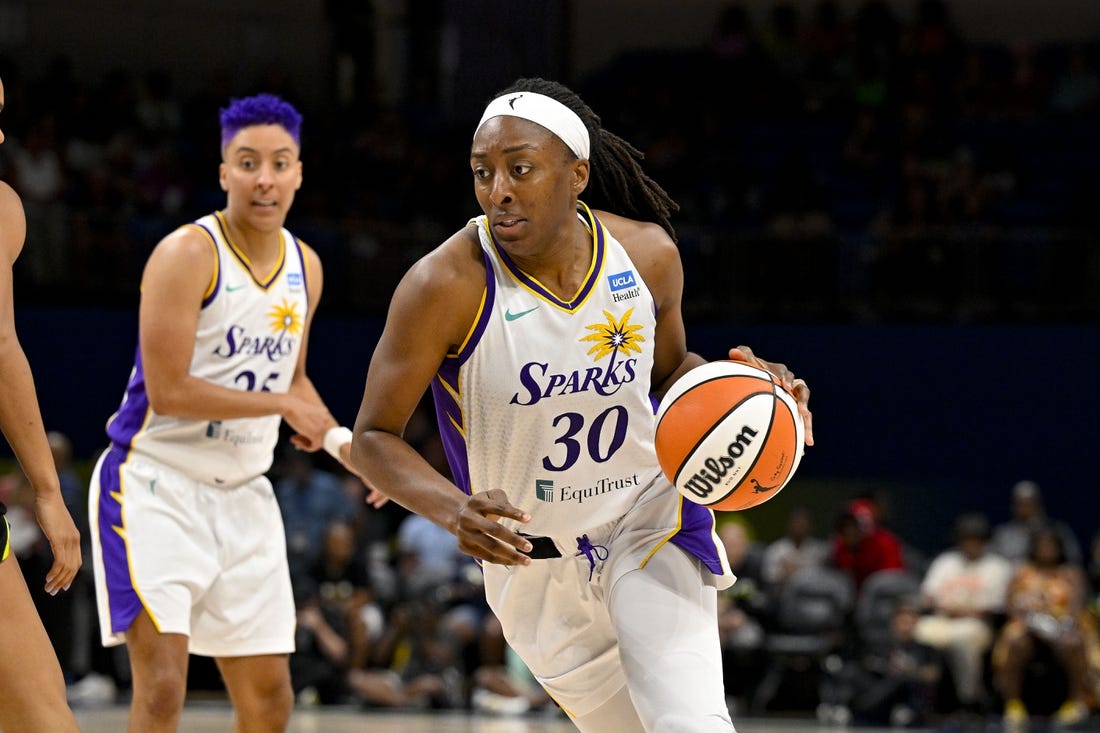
<point x="217" y="718"/>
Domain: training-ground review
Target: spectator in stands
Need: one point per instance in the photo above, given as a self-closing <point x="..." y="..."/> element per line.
<point x="427" y="556"/>
<point x="1012" y="539"/>
<point x="861" y="545"/>
<point x="38" y="173"/>
<point x="1077" y="86"/>
<point x="1093" y="570"/>
<point x="743" y="609"/>
<point x="344" y="587"/>
<point x="310" y="499"/>
<point x="414" y="663"/>
<point x="1046" y="605"/>
<point x="797" y="549"/>
<point x="895" y="684"/>
<point x="963" y="593"/>
<point x="319" y="664"/>
<point x="429" y="564"/>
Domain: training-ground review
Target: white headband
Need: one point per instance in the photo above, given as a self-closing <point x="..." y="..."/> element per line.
<point x="542" y="110"/>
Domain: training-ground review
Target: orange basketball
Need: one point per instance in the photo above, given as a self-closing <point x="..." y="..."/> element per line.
<point x="728" y="435"/>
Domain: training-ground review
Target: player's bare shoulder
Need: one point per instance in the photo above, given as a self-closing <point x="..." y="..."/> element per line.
<point x="644" y="241"/>
<point x="650" y="247"/>
<point x="187" y="240"/>
<point x="446" y="286"/>
<point x="188" y="253"/>
<point x="13" y="223"/>
<point x="452" y="271"/>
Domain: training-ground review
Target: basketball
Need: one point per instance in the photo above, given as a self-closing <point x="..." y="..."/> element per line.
<point x="728" y="435"/>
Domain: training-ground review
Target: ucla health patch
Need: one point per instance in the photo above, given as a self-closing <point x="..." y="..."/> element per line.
<point x="624" y="286"/>
<point x="294" y="280"/>
<point x="622" y="280"/>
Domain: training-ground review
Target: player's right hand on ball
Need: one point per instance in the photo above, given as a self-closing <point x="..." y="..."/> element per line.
<point x="481" y="535"/>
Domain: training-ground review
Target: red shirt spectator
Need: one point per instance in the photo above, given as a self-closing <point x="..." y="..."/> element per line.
<point x="861" y="546"/>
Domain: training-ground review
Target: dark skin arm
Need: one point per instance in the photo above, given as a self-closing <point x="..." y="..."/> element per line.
<point x="429" y="317"/>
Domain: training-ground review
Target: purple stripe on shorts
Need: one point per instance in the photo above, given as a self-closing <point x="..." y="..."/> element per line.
<point x="122" y="597"/>
<point x="696" y="535"/>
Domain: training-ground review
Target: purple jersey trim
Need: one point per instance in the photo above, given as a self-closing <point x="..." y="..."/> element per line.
<point x="305" y="270"/>
<point x="532" y="284"/>
<point x="218" y="217"/>
<point x="132" y="414"/>
<point x="448" y="412"/>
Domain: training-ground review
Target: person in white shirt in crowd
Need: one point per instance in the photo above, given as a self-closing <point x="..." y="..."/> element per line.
<point x="963" y="593"/>
<point x="797" y="549"/>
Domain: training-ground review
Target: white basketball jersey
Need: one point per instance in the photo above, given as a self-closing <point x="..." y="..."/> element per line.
<point x="549" y="399"/>
<point x="249" y="336"/>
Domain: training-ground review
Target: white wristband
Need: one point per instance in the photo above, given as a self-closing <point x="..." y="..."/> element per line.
<point x="335" y="438"/>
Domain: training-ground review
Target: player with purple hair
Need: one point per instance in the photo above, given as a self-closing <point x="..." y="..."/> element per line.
<point x="266" y="109"/>
<point x="188" y="542"/>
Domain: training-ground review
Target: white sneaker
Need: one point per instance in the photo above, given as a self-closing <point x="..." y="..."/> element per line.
<point x="92" y="689"/>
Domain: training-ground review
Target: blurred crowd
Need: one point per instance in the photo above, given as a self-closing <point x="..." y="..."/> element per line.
<point x="836" y="616"/>
<point x="887" y="166"/>
<point x="855" y="623"/>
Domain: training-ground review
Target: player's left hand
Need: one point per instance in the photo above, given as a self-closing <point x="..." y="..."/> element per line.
<point x="57" y="524"/>
<point x="795" y="386"/>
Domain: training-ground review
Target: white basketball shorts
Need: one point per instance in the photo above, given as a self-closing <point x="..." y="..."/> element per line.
<point x="204" y="561"/>
<point x="558" y="616"/>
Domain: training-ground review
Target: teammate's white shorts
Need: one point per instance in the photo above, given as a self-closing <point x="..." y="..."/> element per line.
<point x="642" y="614"/>
<point x="204" y="561"/>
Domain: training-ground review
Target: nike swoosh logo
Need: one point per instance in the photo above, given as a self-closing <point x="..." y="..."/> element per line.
<point x="510" y="316"/>
<point x="231" y="288"/>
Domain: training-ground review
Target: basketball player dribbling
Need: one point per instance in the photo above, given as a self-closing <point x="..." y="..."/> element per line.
<point x="188" y="542"/>
<point x="546" y="330"/>
<point x="32" y="688"/>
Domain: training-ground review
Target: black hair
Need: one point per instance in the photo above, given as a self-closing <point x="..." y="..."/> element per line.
<point x="616" y="171"/>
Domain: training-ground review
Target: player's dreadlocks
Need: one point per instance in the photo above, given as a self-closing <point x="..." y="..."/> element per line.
<point x="616" y="170"/>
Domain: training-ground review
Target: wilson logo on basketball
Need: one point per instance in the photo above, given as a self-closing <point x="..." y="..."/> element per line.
<point x="705" y="445"/>
<point x="703" y="482"/>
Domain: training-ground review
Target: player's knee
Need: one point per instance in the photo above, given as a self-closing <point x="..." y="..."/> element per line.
<point x="271" y="705"/>
<point x="163" y="695"/>
<point x="282" y="704"/>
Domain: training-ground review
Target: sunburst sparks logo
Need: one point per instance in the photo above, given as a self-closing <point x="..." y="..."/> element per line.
<point x="616" y="339"/>
<point x="285" y="318"/>
<point x="614" y="336"/>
